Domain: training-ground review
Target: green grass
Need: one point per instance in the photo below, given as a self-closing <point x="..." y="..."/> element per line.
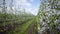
<point x="22" y="28"/>
<point x="25" y="26"/>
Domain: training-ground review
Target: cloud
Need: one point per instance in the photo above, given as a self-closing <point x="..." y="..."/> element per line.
<point x="31" y="0"/>
<point x="34" y="11"/>
<point x="24" y="4"/>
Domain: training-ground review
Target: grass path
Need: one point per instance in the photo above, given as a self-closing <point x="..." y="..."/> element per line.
<point x="25" y="26"/>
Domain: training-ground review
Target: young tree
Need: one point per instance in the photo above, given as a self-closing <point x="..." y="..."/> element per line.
<point x="4" y="12"/>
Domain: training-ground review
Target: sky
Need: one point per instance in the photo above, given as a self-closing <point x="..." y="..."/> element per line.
<point x="30" y="6"/>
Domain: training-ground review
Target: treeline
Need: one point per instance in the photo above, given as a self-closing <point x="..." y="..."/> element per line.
<point x="49" y="17"/>
<point x="11" y="19"/>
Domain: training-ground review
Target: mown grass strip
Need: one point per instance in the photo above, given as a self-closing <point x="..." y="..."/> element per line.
<point x="25" y="26"/>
